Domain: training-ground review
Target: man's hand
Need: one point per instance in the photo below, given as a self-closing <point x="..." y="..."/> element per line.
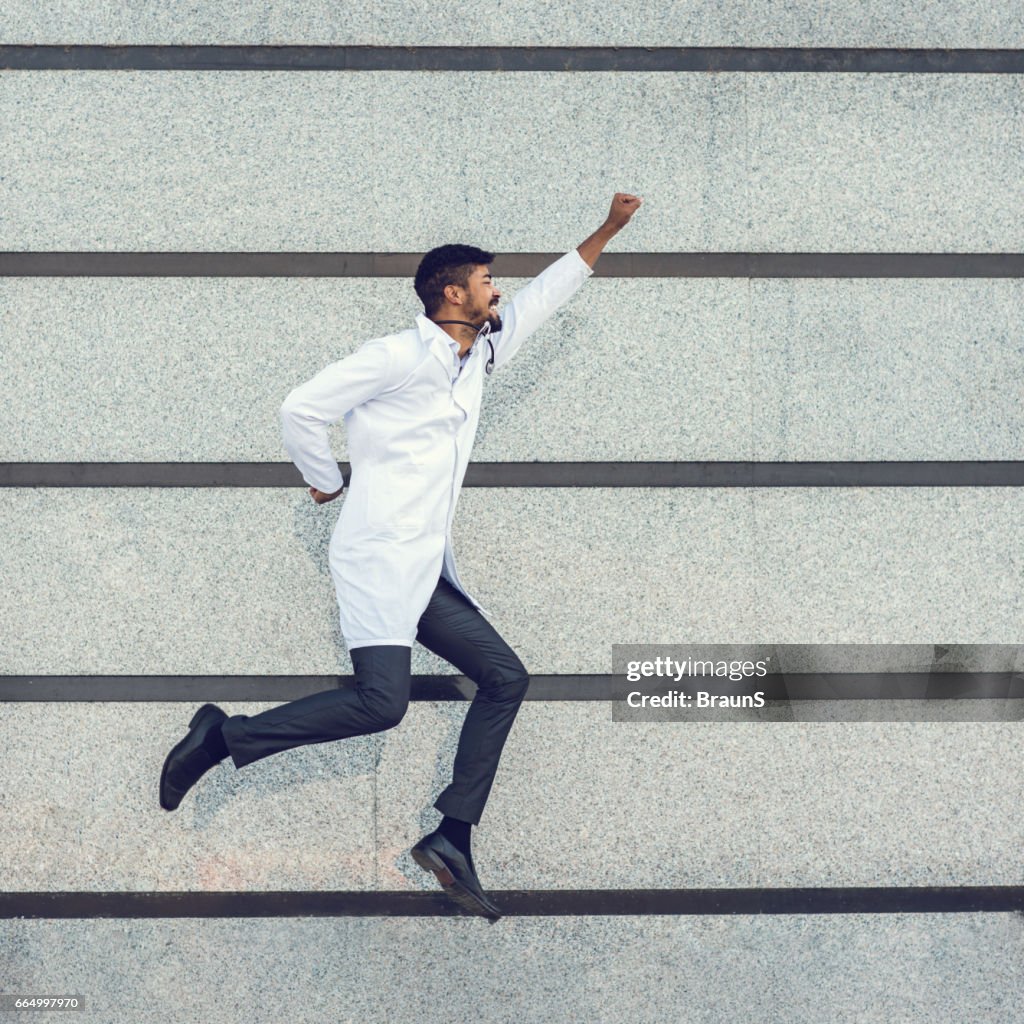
<point x="320" y="497"/>
<point x="624" y="206"/>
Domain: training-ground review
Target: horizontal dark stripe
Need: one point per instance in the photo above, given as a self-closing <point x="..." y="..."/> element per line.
<point x="509" y="58"/>
<point x="957" y="899"/>
<point x="610" y="264"/>
<point x="536" y="474"/>
<point x="830" y="686"/>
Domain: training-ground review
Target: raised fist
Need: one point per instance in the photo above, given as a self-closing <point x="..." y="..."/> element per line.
<point x="624" y="206"/>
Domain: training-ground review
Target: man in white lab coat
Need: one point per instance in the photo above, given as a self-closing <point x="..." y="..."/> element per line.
<point x="411" y="403"/>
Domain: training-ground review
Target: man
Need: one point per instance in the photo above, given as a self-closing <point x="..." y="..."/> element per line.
<point x="411" y="402"/>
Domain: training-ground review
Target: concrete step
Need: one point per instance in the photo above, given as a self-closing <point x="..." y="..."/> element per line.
<point x="195" y="369"/>
<point x="842" y="968"/>
<point x="579" y="802"/>
<point x="270" y="161"/>
<point x="236" y="581"/>
<point x="522" y="23"/>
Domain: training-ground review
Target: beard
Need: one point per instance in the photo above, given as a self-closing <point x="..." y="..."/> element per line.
<point x="494" y="319"/>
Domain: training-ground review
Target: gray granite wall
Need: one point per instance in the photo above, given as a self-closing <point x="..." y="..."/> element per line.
<point x="950" y="23"/>
<point x="781" y="162"/>
<point x="194" y="369"/>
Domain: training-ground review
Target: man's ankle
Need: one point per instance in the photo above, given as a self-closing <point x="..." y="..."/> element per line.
<point x="456" y="832"/>
<point x="214" y="744"/>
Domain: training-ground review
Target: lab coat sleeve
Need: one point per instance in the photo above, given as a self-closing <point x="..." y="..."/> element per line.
<point x="537" y="301"/>
<point x="311" y="407"/>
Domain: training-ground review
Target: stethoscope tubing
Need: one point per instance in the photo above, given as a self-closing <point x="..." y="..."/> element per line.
<point x="489" y="368"/>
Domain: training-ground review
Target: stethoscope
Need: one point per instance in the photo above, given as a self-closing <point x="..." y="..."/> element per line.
<point x="477" y="327"/>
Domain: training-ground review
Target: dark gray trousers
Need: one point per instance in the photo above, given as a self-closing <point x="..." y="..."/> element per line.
<point x="450" y="627"/>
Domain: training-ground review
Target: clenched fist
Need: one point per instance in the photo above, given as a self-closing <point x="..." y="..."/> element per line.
<point x="624" y="206"/>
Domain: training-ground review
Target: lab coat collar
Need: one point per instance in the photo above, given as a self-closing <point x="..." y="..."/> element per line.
<point x="428" y="329"/>
<point x="439" y="341"/>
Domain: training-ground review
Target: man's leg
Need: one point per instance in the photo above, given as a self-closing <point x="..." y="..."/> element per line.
<point x="452" y="628"/>
<point x="378" y="701"/>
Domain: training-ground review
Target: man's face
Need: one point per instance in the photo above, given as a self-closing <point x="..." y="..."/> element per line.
<point x="482" y="298"/>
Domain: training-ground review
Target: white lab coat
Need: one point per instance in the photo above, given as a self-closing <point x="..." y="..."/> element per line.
<point x="411" y="420"/>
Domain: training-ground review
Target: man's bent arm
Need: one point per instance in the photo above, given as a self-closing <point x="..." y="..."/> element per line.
<point x="311" y="407"/>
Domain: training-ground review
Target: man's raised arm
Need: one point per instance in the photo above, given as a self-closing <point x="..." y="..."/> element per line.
<point x="534" y="303"/>
<point x="624" y="206"/>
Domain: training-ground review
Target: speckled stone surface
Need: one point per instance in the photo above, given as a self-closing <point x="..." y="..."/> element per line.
<point x="581" y="801"/>
<point x="234" y="160"/>
<point x="156" y="581"/>
<point x="952" y="23"/>
<point x="843" y="968"/>
<point x="883" y="565"/>
<point x="858" y="369"/>
<point x="195" y="369"/>
<point x="83" y="779"/>
<point x="105" y="580"/>
<point x="891" y="163"/>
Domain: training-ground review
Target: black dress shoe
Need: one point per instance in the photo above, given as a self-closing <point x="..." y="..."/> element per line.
<point x="189" y="761"/>
<point x="436" y="852"/>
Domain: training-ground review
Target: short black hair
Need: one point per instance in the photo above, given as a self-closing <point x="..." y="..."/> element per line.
<point x="447" y="264"/>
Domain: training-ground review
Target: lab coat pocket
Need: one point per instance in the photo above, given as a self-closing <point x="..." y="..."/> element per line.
<point x="395" y="498"/>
